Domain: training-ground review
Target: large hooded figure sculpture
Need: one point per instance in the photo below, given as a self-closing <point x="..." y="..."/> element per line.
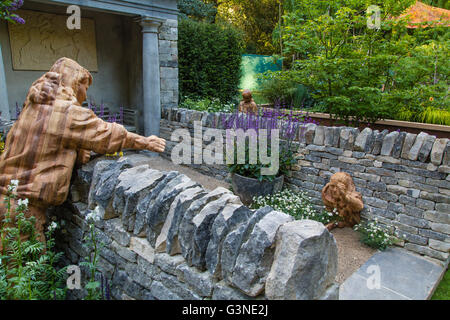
<point x="52" y="133"/>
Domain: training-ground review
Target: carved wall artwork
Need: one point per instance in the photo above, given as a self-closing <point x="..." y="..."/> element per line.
<point x="248" y="105"/>
<point x="340" y="193"/>
<point x="42" y="156"/>
<point x="45" y="38"/>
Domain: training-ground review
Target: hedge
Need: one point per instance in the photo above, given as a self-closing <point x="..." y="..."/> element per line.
<point x="210" y="58"/>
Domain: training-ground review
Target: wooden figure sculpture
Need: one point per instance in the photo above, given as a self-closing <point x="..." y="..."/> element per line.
<point x="248" y="105"/>
<point x="52" y="133"/>
<point x="340" y="194"/>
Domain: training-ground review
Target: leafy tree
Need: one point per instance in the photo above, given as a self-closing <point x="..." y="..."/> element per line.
<point x="363" y="74"/>
<point x="197" y="10"/>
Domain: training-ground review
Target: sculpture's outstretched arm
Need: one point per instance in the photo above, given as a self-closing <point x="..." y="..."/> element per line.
<point x="84" y="130"/>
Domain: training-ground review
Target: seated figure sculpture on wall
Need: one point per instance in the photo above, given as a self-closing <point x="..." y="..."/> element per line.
<point x="340" y="193"/>
<point x="248" y="105"/>
<point x="52" y="133"/>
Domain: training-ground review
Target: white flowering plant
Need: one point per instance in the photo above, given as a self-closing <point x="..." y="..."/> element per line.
<point x="296" y="204"/>
<point x="373" y="235"/>
<point x="27" y="265"/>
<point x="96" y="290"/>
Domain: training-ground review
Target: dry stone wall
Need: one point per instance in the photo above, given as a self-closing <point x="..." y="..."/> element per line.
<point x="165" y="237"/>
<point x="403" y="177"/>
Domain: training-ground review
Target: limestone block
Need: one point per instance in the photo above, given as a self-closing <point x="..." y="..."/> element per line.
<point x="305" y="263"/>
<point x="256" y="255"/>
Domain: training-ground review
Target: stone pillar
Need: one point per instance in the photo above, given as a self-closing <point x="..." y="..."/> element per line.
<point x="151" y="75"/>
<point x="4" y="105"/>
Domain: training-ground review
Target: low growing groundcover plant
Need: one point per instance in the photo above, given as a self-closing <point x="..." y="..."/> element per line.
<point x="374" y="236"/>
<point x="296" y="204"/>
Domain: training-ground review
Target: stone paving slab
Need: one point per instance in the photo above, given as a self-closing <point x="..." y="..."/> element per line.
<point x="403" y="275"/>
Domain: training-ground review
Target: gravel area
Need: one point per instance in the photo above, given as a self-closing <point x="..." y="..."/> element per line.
<point x="352" y="254"/>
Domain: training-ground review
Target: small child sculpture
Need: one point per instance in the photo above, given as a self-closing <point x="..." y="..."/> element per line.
<point x="248" y="105"/>
<point x="340" y="193"/>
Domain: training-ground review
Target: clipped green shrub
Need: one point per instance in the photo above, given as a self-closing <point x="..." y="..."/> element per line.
<point x="210" y="58"/>
<point x="284" y="91"/>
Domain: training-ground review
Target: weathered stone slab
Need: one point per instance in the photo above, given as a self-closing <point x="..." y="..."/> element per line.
<point x="224" y="292"/>
<point x="187" y="227"/>
<point x="226" y="221"/>
<point x="138" y="226"/>
<point x="446" y="157"/>
<point x="388" y="143"/>
<point x="203" y="222"/>
<point x="319" y="136"/>
<point x="115" y="230"/>
<point x="157" y="212"/>
<point x="426" y="148"/>
<point x="168" y="263"/>
<point x="94" y="178"/>
<point x="305" y="262"/>
<point x="402" y="276"/>
<point x="398" y="145"/>
<point x="134" y="184"/>
<point x="415" y="149"/>
<point x="407" y="144"/>
<point x="309" y="131"/>
<point x="168" y="238"/>
<point x="143" y="248"/>
<point x="234" y="241"/>
<point x="378" y="142"/>
<point x="255" y="256"/>
<point x="200" y="282"/>
<point x="437" y="152"/>
<point x="362" y="140"/>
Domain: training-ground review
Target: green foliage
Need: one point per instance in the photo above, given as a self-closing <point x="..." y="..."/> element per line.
<point x="210" y="57"/>
<point x="296" y="204"/>
<point x="28" y="267"/>
<point x="197" y="10"/>
<point x="207" y="104"/>
<point x="374" y="236"/>
<point x="360" y="74"/>
<point x="284" y="91"/>
<point x="256" y="19"/>
<point x="443" y="290"/>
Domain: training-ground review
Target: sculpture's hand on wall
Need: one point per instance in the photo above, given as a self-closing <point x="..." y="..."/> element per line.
<point x="83" y="156"/>
<point x="156" y="144"/>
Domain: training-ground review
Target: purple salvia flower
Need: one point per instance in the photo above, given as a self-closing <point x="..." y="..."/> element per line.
<point x="17" y="19"/>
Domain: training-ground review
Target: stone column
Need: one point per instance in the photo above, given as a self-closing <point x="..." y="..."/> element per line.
<point x="4" y="105"/>
<point x="150" y="75"/>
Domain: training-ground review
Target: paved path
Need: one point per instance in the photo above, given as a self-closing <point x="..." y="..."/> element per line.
<point x="403" y="275"/>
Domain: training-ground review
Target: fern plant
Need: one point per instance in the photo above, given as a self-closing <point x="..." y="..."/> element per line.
<point x="27" y="266"/>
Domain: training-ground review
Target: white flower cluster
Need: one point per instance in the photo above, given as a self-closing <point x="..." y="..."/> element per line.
<point x="13" y="186"/>
<point x="94" y="216"/>
<point x="23" y="203"/>
<point x="53" y="226"/>
<point x="374" y="234"/>
<point x="296" y="204"/>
